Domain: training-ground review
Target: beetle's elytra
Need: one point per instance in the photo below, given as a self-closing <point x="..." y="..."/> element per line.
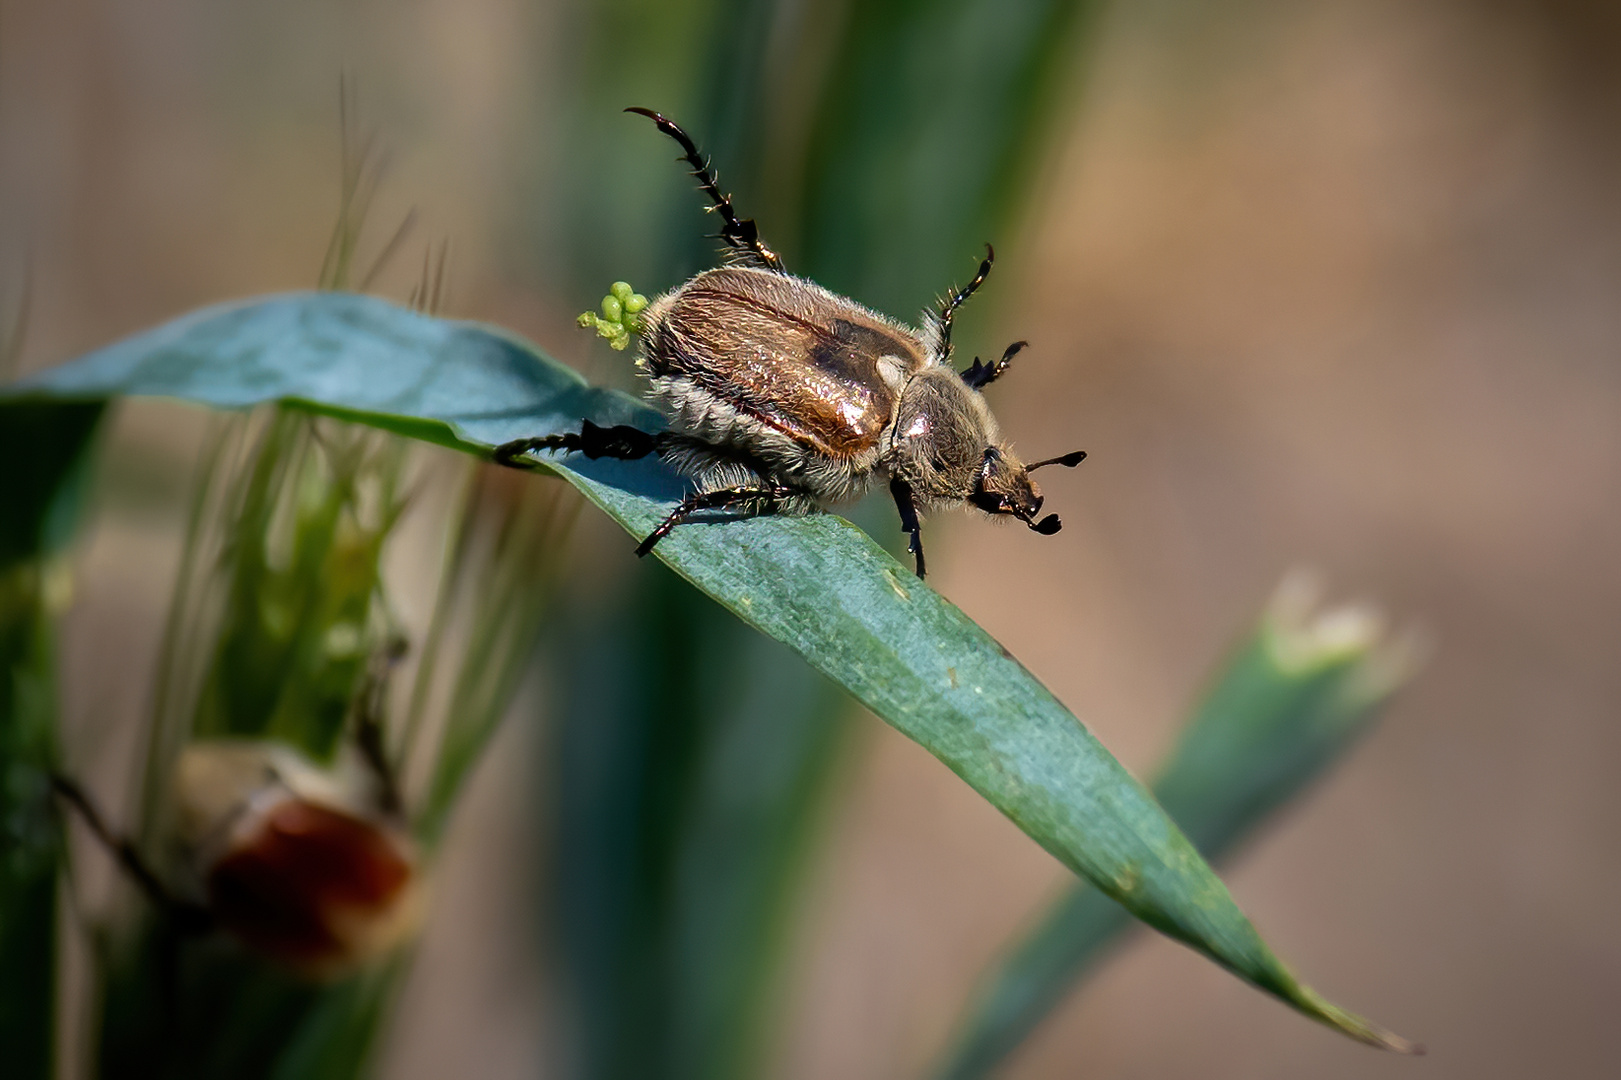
<point x="784" y="396"/>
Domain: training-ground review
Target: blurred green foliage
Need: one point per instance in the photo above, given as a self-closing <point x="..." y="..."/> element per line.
<point x="280" y="611"/>
<point x="309" y="518"/>
<point x="276" y="614"/>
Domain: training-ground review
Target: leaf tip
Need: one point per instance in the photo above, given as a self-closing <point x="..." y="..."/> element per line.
<point x="1305" y="635"/>
<point x="1356" y="1027"/>
<point x="1389" y="1040"/>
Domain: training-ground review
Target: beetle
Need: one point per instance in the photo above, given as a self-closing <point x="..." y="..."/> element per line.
<point x="784" y="396"/>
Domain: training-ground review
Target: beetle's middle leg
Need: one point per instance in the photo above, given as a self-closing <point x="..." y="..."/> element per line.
<point x="620" y="441"/>
<point x="769" y="495"/>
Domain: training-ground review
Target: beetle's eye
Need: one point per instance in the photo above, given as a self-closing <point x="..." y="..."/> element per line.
<point x="990" y="502"/>
<point x="992" y="456"/>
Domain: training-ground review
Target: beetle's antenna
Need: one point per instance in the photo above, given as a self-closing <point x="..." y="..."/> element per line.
<point x="979" y="375"/>
<point x="742" y="235"/>
<point x="1068" y="461"/>
<point x="948" y="309"/>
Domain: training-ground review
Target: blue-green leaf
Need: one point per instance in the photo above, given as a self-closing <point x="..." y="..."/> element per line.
<point x="816" y="583"/>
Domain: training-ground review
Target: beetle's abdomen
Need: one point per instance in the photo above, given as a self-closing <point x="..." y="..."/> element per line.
<point x="782" y="352"/>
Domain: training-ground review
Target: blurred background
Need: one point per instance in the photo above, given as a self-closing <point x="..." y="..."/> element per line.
<point x="1320" y="282"/>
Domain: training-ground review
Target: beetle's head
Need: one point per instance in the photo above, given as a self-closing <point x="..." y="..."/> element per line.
<point x="1004" y="487"/>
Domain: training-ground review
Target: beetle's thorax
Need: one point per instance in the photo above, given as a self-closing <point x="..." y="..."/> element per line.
<point x="946" y="446"/>
<point x="939" y="436"/>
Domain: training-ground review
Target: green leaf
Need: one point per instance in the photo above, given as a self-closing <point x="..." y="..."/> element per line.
<point x="1293" y="698"/>
<point x="816" y="583"/>
<point x="931" y="118"/>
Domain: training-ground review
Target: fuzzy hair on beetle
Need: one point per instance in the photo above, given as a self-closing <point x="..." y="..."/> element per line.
<point x="784" y="396"/>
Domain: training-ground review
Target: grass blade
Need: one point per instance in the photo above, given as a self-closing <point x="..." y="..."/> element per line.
<point x="1298" y="693"/>
<point x="815" y="583"/>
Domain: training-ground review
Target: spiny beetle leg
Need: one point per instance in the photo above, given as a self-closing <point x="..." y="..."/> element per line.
<point x="981" y="374"/>
<point x="740" y="234"/>
<point x="620" y="441"/>
<point x="714" y="500"/>
<point x="948" y="307"/>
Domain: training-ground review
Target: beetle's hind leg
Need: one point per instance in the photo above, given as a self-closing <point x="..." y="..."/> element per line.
<point x="741" y="235"/>
<point x="620" y="441"/>
<point x="760" y="498"/>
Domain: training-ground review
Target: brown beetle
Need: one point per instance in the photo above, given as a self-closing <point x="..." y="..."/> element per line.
<point x="784" y="396"/>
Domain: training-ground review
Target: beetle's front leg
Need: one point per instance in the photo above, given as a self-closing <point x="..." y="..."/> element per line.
<point x="620" y="441"/>
<point x="904" y="503"/>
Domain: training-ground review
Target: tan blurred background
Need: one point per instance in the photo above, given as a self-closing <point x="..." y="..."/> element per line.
<point x="1335" y="283"/>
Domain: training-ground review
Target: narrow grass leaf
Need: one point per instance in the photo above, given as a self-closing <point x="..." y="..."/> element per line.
<point x="1291" y="700"/>
<point x="816" y="583"/>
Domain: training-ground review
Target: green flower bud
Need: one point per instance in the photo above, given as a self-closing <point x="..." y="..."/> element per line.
<point x="620" y="318"/>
